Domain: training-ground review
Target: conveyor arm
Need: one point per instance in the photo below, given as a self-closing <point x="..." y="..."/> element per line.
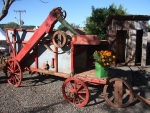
<point x="46" y="27"/>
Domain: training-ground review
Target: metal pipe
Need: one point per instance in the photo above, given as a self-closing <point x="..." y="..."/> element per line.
<point x="68" y="26"/>
<point x="56" y="59"/>
<point x="72" y="58"/>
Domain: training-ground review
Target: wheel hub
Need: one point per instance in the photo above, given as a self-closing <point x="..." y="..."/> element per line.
<point x="73" y="94"/>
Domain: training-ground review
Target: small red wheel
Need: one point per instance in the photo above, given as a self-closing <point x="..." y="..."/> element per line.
<point x="13" y="72"/>
<point x="75" y="92"/>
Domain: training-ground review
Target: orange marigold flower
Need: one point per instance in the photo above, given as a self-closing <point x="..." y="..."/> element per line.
<point x="114" y="56"/>
<point x="107" y="64"/>
<point x="104" y="64"/>
<point x="103" y="60"/>
<point x="108" y="54"/>
<point x="102" y="56"/>
<point x="113" y="62"/>
<point x="110" y="59"/>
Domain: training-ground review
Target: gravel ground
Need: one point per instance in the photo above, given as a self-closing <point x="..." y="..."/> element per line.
<point x="42" y="94"/>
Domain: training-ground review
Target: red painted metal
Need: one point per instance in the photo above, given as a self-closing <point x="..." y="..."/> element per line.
<point x="13" y="72"/>
<point x="46" y="27"/>
<point x="14" y="40"/>
<point x="63" y="75"/>
<point x="75" y="91"/>
<point x="72" y="58"/>
<point x="52" y="63"/>
<point x="36" y="56"/>
<point x="26" y="30"/>
<point x="85" y="39"/>
<point x="12" y="53"/>
<point x="56" y="58"/>
<point x="94" y="81"/>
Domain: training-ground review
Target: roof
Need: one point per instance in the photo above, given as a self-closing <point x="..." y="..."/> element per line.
<point x="2" y="35"/>
<point x="126" y="17"/>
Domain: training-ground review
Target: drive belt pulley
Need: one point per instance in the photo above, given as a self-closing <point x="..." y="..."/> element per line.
<point x="59" y="39"/>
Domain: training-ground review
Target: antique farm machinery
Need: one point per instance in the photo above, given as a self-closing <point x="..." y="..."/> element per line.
<point x="56" y="53"/>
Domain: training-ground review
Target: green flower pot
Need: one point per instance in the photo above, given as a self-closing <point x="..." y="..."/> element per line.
<point x="101" y="71"/>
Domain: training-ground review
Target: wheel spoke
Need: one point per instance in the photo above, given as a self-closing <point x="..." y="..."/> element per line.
<point x="9" y="78"/>
<point x="78" y="101"/>
<point x="17" y="78"/>
<point x="18" y="74"/>
<point x="13" y="81"/>
<point x="75" y="82"/>
<point x="17" y="70"/>
<point x="81" y="97"/>
<point x="68" y="88"/>
<point x="74" y="99"/>
<point x="9" y="69"/>
<point x="14" y="65"/>
<point x="71" y="85"/>
<point x="77" y="93"/>
<point x="82" y="92"/>
<point x="11" y="66"/>
<point x="13" y="72"/>
<point x="79" y="88"/>
<point x="67" y="93"/>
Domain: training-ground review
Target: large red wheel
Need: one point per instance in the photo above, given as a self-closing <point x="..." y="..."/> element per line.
<point x="75" y="92"/>
<point x="13" y="72"/>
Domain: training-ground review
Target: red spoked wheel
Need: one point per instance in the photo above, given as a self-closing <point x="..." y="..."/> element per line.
<point x="13" y="72"/>
<point x="75" y="92"/>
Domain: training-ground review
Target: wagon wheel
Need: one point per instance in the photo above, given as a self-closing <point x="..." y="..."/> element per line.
<point x="64" y="14"/>
<point x="75" y="92"/>
<point x="59" y="39"/>
<point x="13" y="72"/>
<point x="116" y="95"/>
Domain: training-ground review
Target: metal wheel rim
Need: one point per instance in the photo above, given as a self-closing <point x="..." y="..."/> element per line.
<point x="75" y="92"/>
<point x="63" y="37"/>
<point x="13" y="72"/>
<point x="131" y="96"/>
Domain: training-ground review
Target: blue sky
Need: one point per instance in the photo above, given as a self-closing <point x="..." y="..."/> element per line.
<point x="77" y="10"/>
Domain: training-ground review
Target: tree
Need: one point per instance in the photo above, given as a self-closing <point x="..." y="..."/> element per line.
<point x="72" y="24"/>
<point x="11" y="25"/>
<point x="94" y="23"/>
<point x="148" y="28"/>
<point x="6" y="6"/>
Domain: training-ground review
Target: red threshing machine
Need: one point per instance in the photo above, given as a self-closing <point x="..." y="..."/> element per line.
<point x="55" y="53"/>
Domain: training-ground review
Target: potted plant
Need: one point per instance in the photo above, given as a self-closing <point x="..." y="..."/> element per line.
<point x="103" y="59"/>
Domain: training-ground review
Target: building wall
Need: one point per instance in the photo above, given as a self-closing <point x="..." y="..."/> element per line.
<point x="148" y="50"/>
<point x="130" y="47"/>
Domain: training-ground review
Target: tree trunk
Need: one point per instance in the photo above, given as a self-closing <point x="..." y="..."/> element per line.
<point x="6" y="6"/>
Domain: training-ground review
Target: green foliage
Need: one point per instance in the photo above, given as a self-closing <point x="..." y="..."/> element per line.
<point x="72" y="24"/>
<point x="11" y="25"/>
<point x="148" y="28"/>
<point x="4" y="26"/>
<point x="104" y="58"/>
<point x="60" y="26"/>
<point x="94" y="23"/>
<point x="28" y="27"/>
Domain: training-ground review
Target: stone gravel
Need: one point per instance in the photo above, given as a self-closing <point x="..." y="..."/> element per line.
<point x="42" y="94"/>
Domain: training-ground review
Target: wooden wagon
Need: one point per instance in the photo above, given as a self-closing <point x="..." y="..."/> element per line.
<point x="55" y="53"/>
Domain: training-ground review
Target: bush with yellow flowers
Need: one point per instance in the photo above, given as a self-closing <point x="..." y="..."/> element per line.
<point x="104" y="58"/>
